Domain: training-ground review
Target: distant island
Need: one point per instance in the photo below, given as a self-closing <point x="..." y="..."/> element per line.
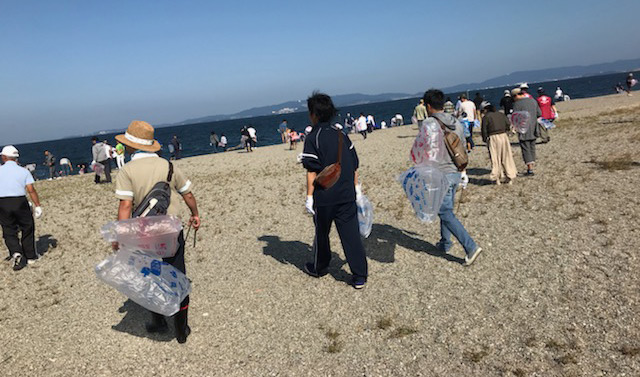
<point x="540" y="75"/>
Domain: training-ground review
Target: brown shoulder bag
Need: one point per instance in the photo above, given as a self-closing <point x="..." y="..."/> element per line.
<point x="456" y="148"/>
<point x="330" y="175"/>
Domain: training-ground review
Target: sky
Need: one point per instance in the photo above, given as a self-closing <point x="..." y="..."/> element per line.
<point x="76" y="67"/>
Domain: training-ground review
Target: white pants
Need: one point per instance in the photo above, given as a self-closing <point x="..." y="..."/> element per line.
<point x="120" y="161"/>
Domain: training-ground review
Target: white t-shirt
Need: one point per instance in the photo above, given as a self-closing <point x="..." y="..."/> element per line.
<point x="470" y="108"/>
<point x="361" y="124"/>
<point x="65" y="161"/>
<point x="252" y="132"/>
<point x="370" y="120"/>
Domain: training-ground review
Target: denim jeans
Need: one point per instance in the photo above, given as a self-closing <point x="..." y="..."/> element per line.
<point x="449" y="223"/>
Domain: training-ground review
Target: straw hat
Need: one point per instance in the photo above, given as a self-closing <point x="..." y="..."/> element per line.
<point x="139" y="135"/>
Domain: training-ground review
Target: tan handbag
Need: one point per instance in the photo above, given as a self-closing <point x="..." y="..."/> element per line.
<point x="330" y="175"/>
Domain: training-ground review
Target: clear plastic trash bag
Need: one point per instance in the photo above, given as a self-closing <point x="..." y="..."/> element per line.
<point x="425" y="187"/>
<point x="97" y="167"/>
<point x="150" y="282"/>
<point x="156" y="236"/>
<point x="520" y="121"/>
<point x="546" y="123"/>
<point x="365" y="216"/>
<point x="428" y="146"/>
<point x="466" y="127"/>
<point x="476" y="124"/>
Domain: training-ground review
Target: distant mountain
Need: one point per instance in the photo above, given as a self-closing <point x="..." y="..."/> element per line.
<point x="297" y="106"/>
<point x="551" y="74"/>
<point x="514" y="78"/>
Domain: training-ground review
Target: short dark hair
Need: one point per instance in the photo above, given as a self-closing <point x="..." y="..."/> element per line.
<point x="94" y="139"/>
<point x="321" y="106"/>
<point x="435" y="98"/>
<point x="490" y="108"/>
<point x="463" y="96"/>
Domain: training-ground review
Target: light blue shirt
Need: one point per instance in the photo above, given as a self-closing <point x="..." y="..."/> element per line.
<point x="13" y="180"/>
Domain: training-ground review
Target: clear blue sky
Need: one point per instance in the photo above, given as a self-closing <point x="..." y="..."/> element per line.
<point x="72" y="67"/>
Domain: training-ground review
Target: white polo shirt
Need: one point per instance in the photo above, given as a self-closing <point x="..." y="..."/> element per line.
<point x="13" y="180"/>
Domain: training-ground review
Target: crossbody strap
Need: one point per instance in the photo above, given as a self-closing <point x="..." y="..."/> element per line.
<point x="170" y="175"/>
<point x="441" y="123"/>
<point x="340" y="147"/>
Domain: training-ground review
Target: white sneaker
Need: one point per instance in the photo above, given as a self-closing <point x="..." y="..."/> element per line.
<point x="468" y="260"/>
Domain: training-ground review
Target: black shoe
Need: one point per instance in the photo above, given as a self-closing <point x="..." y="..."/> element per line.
<point x="310" y="270"/>
<point x="19" y="262"/>
<point x="359" y="282"/>
<point x="183" y="337"/>
<point x="157" y="325"/>
<point x="529" y="173"/>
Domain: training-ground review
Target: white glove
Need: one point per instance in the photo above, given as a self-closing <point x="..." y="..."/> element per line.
<point x="464" y="180"/>
<point x="38" y="212"/>
<point x="309" y="205"/>
<point x="299" y="158"/>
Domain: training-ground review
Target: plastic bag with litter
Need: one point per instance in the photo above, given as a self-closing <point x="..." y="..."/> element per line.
<point x="520" y="120"/>
<point x="156" y="236"/>
<point x="365" y="215"/>
<point x="428" y="146"/>
<point x="150" y="282"/>
<point x="97" y="167"/>
<point x="425" y="187"/>
<point x="546" y="123"/>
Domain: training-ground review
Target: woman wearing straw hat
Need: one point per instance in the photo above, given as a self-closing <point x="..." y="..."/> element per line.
<point x="134" y="181"/>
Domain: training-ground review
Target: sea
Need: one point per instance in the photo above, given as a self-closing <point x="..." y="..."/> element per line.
<point x="195" y="137"/>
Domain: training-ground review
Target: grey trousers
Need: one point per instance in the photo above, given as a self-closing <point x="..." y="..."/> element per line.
<point x="528" y="148"/>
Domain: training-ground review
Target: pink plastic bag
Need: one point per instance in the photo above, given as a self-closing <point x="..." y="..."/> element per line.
<point x="520" y="121"/>
<point x="428" y="146"/>
<point x="156" y="236"/>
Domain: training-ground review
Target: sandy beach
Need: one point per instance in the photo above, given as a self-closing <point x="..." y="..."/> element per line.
<point x="556" y="292"/>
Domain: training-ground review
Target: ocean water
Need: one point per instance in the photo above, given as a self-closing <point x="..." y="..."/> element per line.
<point x="195" y="137"/>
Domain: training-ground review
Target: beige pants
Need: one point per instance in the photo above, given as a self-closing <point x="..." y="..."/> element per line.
<point x="502" y="163"/>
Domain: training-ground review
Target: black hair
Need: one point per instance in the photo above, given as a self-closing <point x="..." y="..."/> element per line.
<point x="94" y="139"/>
<point x="490" y="108"/>
<point x="321" y="106"/>
<point x="448" y="99"/>
<point x="435" y="98"/>
<point x="463" y="96"/>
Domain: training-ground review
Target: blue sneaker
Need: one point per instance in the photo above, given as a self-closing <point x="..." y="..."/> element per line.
<point x="359" y="282"/>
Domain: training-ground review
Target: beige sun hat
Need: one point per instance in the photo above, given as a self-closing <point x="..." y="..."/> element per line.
<point x="139" y="135"/>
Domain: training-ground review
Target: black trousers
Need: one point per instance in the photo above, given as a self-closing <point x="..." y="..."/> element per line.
<point x="346" y="219"/>
<point x="177" y="261"/>
<point x="15" y="216"/>
<point x="107" y="171"/>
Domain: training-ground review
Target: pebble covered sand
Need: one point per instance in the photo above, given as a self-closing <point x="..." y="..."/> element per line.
<point x="556" y="292"/>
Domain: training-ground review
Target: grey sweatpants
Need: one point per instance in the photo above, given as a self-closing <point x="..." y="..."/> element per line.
<point x="528" y="148"/>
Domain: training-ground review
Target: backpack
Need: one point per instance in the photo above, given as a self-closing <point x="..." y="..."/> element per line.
<point x="456" y="148"/>
<point x="157" y="201"/>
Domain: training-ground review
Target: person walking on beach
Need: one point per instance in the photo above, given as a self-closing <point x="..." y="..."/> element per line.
<point x="15" y="212"/>
<point x="253" y="136"/>
<point x="214" y="141"/>
<point x="338" y="202"/>
<point x="495" y="128"/>
<point x="506" y="103"/>
<point x="371" y="123"/>
<point x="527" y="139"/>
<point x="449" y="108"/>
<point x="420" y="112"/>
<point x="282" y="129"/>
<point x="134" y="182"/>
<point x="449" y="223"/>
<point x="477" y="101"/>
<point x="100" y="156"/>
<point x="120" y="156"/>
<point x="468" y="112"/>
<point x="50" y="162"/>
<point x="549" y="113"/>
<point x="361" y="125"/>
<point x="177" y="147"/>
<point x="524" y="89"/>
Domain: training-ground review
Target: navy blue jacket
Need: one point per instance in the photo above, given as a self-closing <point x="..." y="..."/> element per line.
<point x="320" y="151"/>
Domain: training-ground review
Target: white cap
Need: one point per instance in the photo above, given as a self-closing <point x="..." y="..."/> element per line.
<point x="10" y="151"/>
<point x="524" y="86"/>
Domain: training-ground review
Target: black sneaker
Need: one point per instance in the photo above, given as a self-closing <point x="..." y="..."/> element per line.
<point x="359" y="282"/>
<point x="529" y="173"/>
<point x="183" y="338"/>
<point x="311" y="270"/>
<point x="19" y="262"/>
